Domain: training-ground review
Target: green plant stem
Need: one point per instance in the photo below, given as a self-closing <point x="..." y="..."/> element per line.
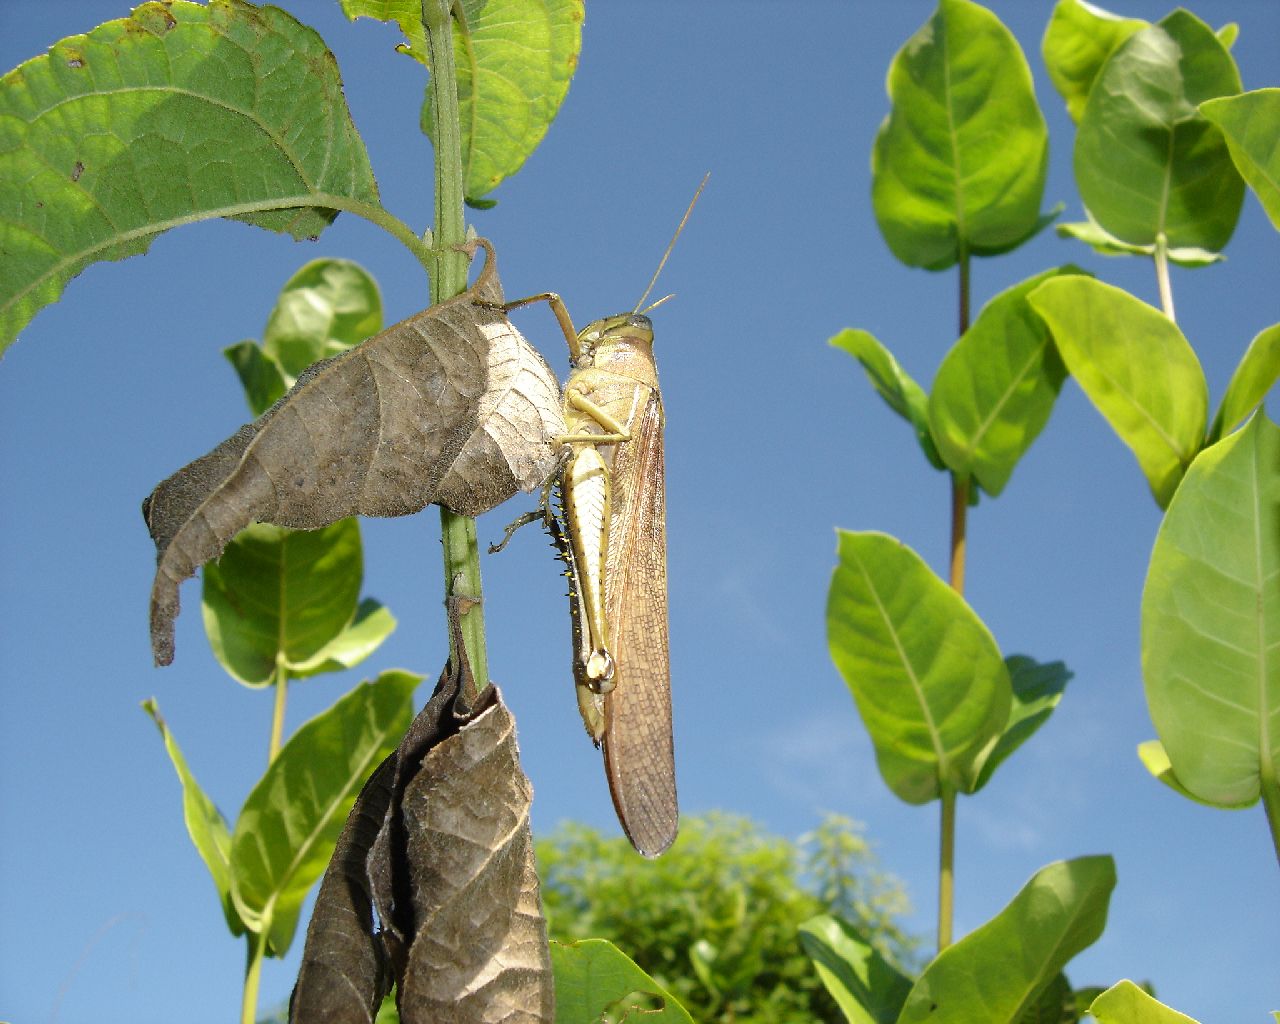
<point x="1162" y="276"/>
<point x="257" y="947"/>
<point x="946" y="867"/>
<point x="279" y="680"/>
<point x="448" y="278"/>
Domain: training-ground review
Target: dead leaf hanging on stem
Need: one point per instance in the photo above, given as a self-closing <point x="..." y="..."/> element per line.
<point x="437" y="850"/>
<point x="451" y="406"/>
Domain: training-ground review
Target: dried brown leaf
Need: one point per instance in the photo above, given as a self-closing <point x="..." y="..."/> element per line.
<point x="438" y="848"/>
<point x="451" y="406"/>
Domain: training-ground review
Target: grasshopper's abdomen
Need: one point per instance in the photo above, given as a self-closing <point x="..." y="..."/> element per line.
<point x="586" y="495"/>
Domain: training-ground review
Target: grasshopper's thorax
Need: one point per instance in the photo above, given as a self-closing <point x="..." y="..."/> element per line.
<point x="621" y="344"/>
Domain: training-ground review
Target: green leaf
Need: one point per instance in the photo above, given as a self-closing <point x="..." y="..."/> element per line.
<point x="1003" y="965"/>
<point x="205" y="823"/>
<point x="1076" y="45"/>
<point x="1250" y="382"/>
<point x="372" y="624"/>
<point x="280" y="596"/>
<point x="925" y="672"/>
<point x="593" y="976"/>
<point x="960" y="161"/>
<point x="1248" y="122"/>
<point x="179" y="113"/>
<point x="288" y="826"/>
<point x="1156" y="761"/>
<point x="1056" y="1004"/>
<point x="1037" y="689"/>
<point x="260" y="375"/>
<point x="1137" y="369"/>
<point x="1125" y="1003"/>
<point x="892" y="383"/>
<point x="867" y="988"/>
<point x="514" y="61"/>
<point x="996" y="387"/>
<point x="1096" y="237"/>
<point x="1146" y="162"/>
<point x="1211" y="620"/>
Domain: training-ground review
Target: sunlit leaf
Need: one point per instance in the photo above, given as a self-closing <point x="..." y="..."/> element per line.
<point x="289" y="823"/>
<point x="205" y="823"/>
<point x="960" y="161"/>
<point x="892" y="383"/>
<point x="277" y="597"/>
<point x="372" y="624"/>
<point x="1154" y="758"/>
<point x="1146" y="162"/>
<point x="1249" y="124"/>
<point x="1137" y="369"/>
<point x="995" y="389"/>
<point x="1249" y="384"/>
<point x="1126" y="1003"/>
<point x="1211" y="620"/>
<point x="593" y="976"/>
<point x="514" y="61"/>
<point x="178" y="113"/>
<point x="1078" y="41"/>
<point x="1004" y="965"/>
<point x="867" y="988"/>
<point x="925" y="672"/>
<point x="1037" y="688"/>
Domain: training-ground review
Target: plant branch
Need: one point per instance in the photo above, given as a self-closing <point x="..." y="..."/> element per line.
<point x="280" y="680"/>
<point x="1162" y="276"/>
<point x="946" y="867"/>
<point x="448" y="278"/>
<point x="257" y="947"/>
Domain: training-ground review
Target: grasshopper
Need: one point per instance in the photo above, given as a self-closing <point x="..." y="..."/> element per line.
<point x="611" y="535"/>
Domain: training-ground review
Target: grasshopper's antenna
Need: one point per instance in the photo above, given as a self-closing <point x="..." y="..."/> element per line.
<point x="671" y="245"/>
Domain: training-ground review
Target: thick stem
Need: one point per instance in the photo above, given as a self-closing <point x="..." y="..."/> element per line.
<point x="448" y="278"/>
<point x="1162" y="276"/>
<point x="946" y="867"/>
<point x="959" y="528"/>
<point x="257" y="947"/>
<point x="280" y="680"/>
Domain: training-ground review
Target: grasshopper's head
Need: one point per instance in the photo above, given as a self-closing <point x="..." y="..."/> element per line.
<point x="613" y="336"/>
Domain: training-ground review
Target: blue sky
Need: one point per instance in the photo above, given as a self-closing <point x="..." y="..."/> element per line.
<point x="773" y="440"/>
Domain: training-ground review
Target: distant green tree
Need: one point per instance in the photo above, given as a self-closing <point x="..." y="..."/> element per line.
<point x="714" y="919"/>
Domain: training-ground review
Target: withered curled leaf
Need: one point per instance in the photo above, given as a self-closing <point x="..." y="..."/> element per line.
<point x="432" y="884"/>
<point x="451" y="406"/>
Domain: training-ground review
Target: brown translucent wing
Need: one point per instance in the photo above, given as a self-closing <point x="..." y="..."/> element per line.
<point x="638" y="751"/>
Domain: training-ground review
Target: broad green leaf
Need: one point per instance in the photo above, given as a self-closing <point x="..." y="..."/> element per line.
<point x="892" y="383"/>
<point x="1056" y="1004"/>
<point x="925" y="672"/>
<point x="1156" y="760"/>
<point x="1146" y="162"/>
<point x="514" y="60"/>
<point x="373" y="624"/>
<point x="1125" y="1003"/>
<point x="960" y="161"/>
<point x="1211" y="620"/>
<point x="178" y="113"/>
<point x="1228" y="34"/>
<point x="1096" y="237"/>
<point x="1003" y="965"/>
<point x="1250" y="382"/>
<point x="205" y="823"/>
<point x="1037" y="688"/>
<point x="867" y="988"/>
<point x="327" y="307"/>
<point x="1248" y="122"/>
<point x="593" y="976"/>
<point x="996" y="387"/>
<point x="1078" y="41"/>
<point x="288" y="826"/>
<point x="1137" y="369"/>
<point x="280" y="596"/>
